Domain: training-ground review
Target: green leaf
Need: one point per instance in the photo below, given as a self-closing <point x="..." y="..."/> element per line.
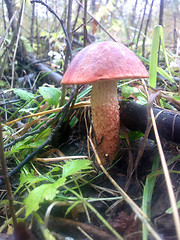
<point x="160" y="70"/>
<point x="36" y="143"/>
<point x="154" y="57"/>
<point x="29" y="110"/>
<point x="44" y="134"/>
<point x="27" y="44"/>
<point x="72" y="206"/>
<point x="169" y="210"/>
<point x="75" y="166"/>
<point x="55" y="169"/>
<point x="51" y="95"/>
<point x="176" y="98"/>
<point x="73" y="121"/>
<point x="153" y="69"/>
<point x="24" y="94"/>
<point x="127" y="90"/>
<point x="134" y="135"/>
<point x="20" y="145"/>
<point x="29" y="179"/>
<point x="39" y="194"/>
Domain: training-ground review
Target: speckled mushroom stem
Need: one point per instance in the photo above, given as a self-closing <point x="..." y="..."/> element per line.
<point x="105" y="118"/>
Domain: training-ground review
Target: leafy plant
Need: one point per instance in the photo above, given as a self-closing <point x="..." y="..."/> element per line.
<point x="49" y="189"/>
<point x="50" y="94"/>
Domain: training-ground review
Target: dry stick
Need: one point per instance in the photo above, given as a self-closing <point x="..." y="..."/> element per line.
<point x="6" y="179"/>
<point x="141" y="25"/>
<point x="60" y="158"/>
<point x="85" y="22"/>
<point x="148" y="128"/>
<point x="161" y="12"/>
<point x="61" y="22"/>
<point x="146" y="28"/>
<point x="3" y="14"/>
<point x="167" y="178"/>
<point x="75" y="21"/>
<point x="3" y="38"/>
<point x="76" y="105"/>
<point x="140" y="214"/>
<point x="97" y="22"/>
<point x="32" y="25"/>
<point x="133" y="17"/>
<point x="17" y="42"/>
<point x="84" y="233"/>
<point x="67" y="52"/>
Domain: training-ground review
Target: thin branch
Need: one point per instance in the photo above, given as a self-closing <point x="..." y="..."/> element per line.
<point x="67" y="53"/>
<point x="3" y="38"/>
<point x="146" y="28"/>
<point x="97" y="22"/>
<point x="6" y="178"/>
<point x="75" y="21"/>
<point x="61" y="22"/>
<point x="17" y="42"/>
<point x="142" y="21"/>
<point x="85" y="22"/>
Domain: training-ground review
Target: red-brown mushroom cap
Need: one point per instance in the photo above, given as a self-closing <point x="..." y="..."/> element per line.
<point x="104" y="61"/>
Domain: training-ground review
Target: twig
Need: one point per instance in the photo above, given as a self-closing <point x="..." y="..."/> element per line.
<point x="6" y="179"/>
<point x="85" y="22"/>
<point x="147" y="131"/>
<point x="17" y="42"/>
<point x="142" y="21"/>
<point x="77" y="105"/>
<point x="97" y="22"/>
<point x="61" y="22"/>
<point x="75" y="21"/>
<point x="146" y="28"/>
<point x="3" y="38"/>
<point x="67" y="52"/>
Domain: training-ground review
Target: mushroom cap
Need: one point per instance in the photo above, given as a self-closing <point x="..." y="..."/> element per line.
<point x="104" y="61"/>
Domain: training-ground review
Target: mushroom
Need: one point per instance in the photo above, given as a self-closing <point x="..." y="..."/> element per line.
<point x="103" y="64"/>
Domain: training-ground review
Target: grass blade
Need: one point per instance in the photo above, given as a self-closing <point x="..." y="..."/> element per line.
<point x="147" y="194"/>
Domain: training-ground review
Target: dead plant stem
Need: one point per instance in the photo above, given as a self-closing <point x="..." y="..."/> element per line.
<point x="17" y="42"/>
<point x="6" y="178"/>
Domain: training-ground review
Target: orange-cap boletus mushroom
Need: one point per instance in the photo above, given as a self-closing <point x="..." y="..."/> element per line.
<point x="103" y="65"/>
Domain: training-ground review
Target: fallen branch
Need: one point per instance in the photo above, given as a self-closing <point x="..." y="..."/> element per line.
<point x="134" y="117"/>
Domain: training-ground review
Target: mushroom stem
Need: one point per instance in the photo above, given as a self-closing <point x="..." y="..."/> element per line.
<point x="105" y="118"/>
